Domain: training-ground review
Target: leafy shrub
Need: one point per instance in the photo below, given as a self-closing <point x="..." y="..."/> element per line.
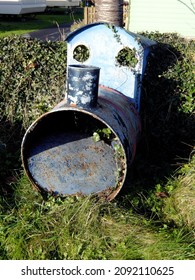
<point x="127" y="57"/>
<point x="168" y="117"/>
<point x="32" y="77"/>
<point x="167" y="107"/>
<point x="179" y="57"/>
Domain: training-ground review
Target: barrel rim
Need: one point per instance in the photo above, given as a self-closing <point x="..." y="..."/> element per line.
<point x="83" y="66"/>
<point x="119" y="184"/>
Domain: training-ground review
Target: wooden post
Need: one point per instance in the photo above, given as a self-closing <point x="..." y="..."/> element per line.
<point x="89" y="15"/>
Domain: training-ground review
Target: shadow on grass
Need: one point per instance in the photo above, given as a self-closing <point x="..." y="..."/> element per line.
<point x="167" y="133"/>
<point x="10" y="161"/>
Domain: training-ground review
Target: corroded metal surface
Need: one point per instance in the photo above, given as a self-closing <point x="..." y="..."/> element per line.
<point x="86" y="143"/>
<point x="69" y="164"/>
<point x="82" y="85"/>
<point x="61" y="156"/>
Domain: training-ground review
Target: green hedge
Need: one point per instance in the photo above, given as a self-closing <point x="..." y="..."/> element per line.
<point x="168" y="107"/>
<point x="33" y="73"/>
<point x="175" y="60"/>
<point x="32" y="77"/>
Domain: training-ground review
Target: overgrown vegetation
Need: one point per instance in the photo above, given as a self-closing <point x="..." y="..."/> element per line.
<point x="153" y="217"/>
<point x="127" y="57"/>
<point x="33" y="74"/>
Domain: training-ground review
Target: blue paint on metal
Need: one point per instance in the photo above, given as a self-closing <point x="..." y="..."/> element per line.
<point x="82" y="85"/>
<point x="59" y="151"/>
<point x="104" y="43"/>
<point x="66" y="160"/>
<point x="73" y="167"/>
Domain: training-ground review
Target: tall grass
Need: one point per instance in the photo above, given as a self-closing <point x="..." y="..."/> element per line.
<point x="87" y="228"/>
<point x="179" y="207"/>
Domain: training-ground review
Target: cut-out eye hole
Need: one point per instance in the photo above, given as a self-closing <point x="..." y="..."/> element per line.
<point x="81" y="53"/>
<point x="127" y="57"/>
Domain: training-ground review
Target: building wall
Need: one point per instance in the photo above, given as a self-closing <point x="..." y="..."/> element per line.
<point x="62" y="3"/>
<point x="17" y="7"/>
<point x="163" y="16"/>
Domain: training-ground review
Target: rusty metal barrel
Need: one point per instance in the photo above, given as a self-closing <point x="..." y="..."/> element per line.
<point x="86" y="143"/>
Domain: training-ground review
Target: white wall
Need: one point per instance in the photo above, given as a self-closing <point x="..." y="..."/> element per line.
<point x="62" y="3"/>
<point x="16" y="7"/>
<point x="163" y="16"/>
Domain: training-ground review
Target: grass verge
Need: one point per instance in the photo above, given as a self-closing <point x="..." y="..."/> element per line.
<point x="84" y="228"/>
<point x="21" y="25"/>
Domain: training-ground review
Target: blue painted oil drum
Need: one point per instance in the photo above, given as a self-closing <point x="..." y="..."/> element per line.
<point x="86" y="143"/>
<point x="81" y="150"/>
